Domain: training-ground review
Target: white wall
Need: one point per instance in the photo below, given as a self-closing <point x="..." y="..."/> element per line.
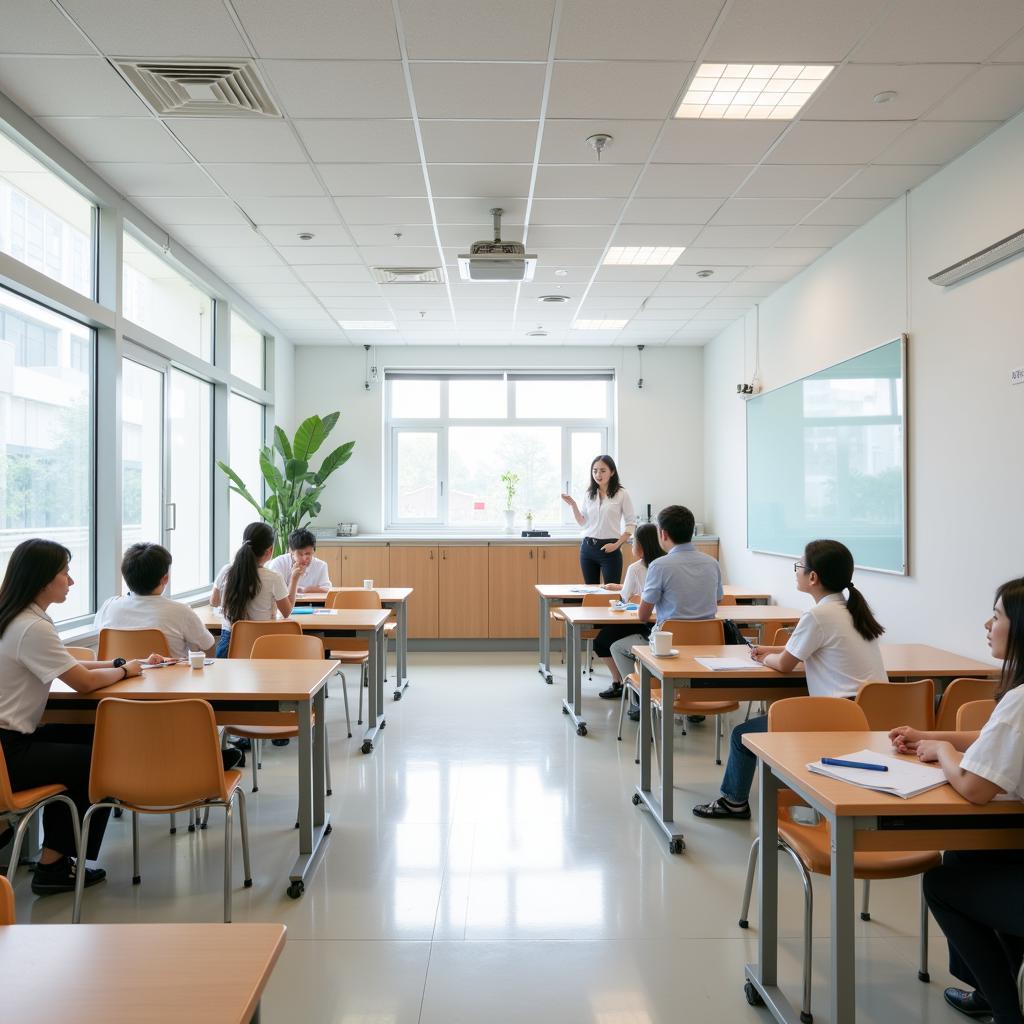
<point x="660" y="429"/>
<point x="284" y="383"/>
<point x="965" y="422"/>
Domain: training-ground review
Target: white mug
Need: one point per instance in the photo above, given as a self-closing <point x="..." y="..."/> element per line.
<point x="196" y="659"/>
<point x="368" y="584"/>
<point x="661" y="642"/>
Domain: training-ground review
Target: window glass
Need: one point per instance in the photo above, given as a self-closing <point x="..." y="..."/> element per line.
<point x="415" y="399"/>
<point x="247" y="351"/>
<point x="416" y="475"/>
<point x="245" y="437"/>
<point x="471" y="399"/>
<point x="46" y="439"/>
<point x="159" y="298"/>
<point x="561" y="399"/>
<point x="191" y="462"/>
<point x="44" y="222"/>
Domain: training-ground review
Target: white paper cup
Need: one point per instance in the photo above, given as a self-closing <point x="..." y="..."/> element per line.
<point x="196" y="659"/>
<point x="661" y="642"/>
<point x="368" y="584"/>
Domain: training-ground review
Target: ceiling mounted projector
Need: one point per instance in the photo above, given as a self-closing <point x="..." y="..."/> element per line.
<point x="497" y="260"/>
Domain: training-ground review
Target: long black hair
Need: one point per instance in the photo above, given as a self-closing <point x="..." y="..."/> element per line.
<point x="1011" y="594"/>
<point x="833" y="563"/>
<point x="613" y="481"/>
<point x="34" y="564"/>
<point x="647" y="539"/>
<point x="243" y="580"/>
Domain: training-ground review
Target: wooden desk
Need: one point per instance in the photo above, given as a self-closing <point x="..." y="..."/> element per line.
<point x="745" y="596"/>
<point x="902" y="661"/>
<point x="859" y="819"/>
<point x="137" y="973"/>
<point x="367" y="623"/>
<point x="259" y="692"/>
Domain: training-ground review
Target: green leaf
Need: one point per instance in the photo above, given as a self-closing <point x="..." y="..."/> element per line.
<point x="337" y="458"/>
<point x="271" y="473"/>
<point x="309" y="437"/>
<point x="248" y="497"/>
<point x="239" y="485"/>
<point x="294" y="469"/>
<point x="283" y="445"/>
<point x="329" y="420"/>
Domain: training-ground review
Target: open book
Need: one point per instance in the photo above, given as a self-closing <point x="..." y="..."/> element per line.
<point x="904" y="778"/>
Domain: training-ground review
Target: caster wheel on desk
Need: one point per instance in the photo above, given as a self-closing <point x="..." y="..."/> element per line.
<point x="191" y="828"/>
<point x="383" y="723"/>
<point x="743" y="922"/>
<point x="118" y="812"/>
<point x="865" y="916"/>
<point x="581" y="730"/>
<point x="247" y="883"/>
<point x="752" y="995"/>
<point x="565" y="710"/>
<point x="136" y="879"/>
<point x="329" y="829"/>
<point x="676" y="846"/>
<point x="367" y="746"/>
<point x="806" y="1018"/>
<point x="636" y="799"/>
<point x="174" y="831"/>
<point x="398" y="694"/>
<point x="550" y="680"/>
<point x="296" y="889"/>
<point x="923" y="976"/>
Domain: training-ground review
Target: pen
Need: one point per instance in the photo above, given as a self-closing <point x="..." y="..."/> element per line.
<point x="840" y="763"/>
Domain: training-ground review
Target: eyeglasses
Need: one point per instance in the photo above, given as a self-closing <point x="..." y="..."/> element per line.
<point x="798" y="565"/>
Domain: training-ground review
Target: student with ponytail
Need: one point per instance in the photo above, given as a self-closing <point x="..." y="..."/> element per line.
<point x="246" y="589"/>
<point x="837" y="640"/>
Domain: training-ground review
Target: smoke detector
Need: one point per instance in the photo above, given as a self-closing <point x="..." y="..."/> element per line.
<point x="553" y="298"/>
<point x="536" y="334"/>
<point x="705" y="273"/>
<point x="497" y="260"/>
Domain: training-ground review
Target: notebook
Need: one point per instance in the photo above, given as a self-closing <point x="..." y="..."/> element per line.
<point x="728" y="664"/>
<point x="905" y="779"/>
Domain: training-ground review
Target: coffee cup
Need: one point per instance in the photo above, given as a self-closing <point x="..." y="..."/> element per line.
<point x="661" y="642"/>
<point x="368" y="584"/>
<point x="196" y="659"/>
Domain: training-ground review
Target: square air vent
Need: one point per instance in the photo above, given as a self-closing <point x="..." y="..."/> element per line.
<point x="408" y="275"/>
<point x="184" y="88"/>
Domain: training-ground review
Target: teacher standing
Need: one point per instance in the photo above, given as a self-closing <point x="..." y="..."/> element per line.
<point x="607" y="519"/>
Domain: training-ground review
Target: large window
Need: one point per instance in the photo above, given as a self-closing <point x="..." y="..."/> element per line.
<point x="245" y="437"/>
<point x="247" y="351"/>
<point x="452" y="436"/>
<point x="46" y="439"/>
<point x="44" y="222"/>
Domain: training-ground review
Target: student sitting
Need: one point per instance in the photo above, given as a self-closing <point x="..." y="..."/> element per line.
<point x="977" y="896"/>
<point x="247" y="589"/>
<point x="837" y="640"/>
<point x="645" y="550"/>
<point x="301" y="546"/>
<point x="146" y="571"/>
<point x="684" y="584"/>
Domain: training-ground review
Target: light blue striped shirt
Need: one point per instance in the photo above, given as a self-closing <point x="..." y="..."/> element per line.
<point x="683" y="584"/>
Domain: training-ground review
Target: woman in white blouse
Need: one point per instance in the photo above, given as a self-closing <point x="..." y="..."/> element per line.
<point x="607" y="519"/>
<point x="977" y="896"/>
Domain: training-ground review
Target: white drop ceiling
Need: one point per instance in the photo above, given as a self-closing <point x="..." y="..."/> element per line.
<point x="405" y="122"/>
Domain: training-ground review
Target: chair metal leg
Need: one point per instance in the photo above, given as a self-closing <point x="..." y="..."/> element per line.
<point x="243" y="827"/>
<point x="359" y="714"/>
<point x="174" y="824"/>
<point x="865" y="914"/>
<point x="718" y="739"/>
<point x="83" y="845"/>
<point x="327" y="759"/>
<point x="622" y="709"/>
<point x="136" y="873"/>
<point x="254" y="753"/>
<point x="805" y="1013"/>
<point x="344" y="695"/>
<point x="590" y="657"/>
<point x="922" y="972"/>
<point x="636" y="756"/>
<point x="748" y="885"/>
<point x="26" y="820"/>
<point x="656" y="732"/>
<point x="228" y="853"/>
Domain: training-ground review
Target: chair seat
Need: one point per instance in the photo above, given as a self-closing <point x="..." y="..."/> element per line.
<point x="811" y="844"/>
<point x="232" y="780"/>
<point x="390" y="627"/>
<point x="351" y="657"/>
<point x="685" y="706"/>
<point x="23" y="799"/>
<point x="264" y="732"/>
<point x="558" y="616"/>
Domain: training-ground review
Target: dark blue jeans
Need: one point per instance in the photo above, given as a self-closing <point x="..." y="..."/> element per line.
<point x="739" y="771"/>
<point x="222" y="644"/>
<point x="594" y="562"/>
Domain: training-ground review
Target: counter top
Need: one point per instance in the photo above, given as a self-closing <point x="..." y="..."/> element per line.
<point x="466" y="538"/>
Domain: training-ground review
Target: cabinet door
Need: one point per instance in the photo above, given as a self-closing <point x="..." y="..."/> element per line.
<point x="558" y="563"/>
<point x="416" y="566"/>
<point x="512" y="576"/>
<point x="331" y="554"/>
<point x="360" y="563"/>
<point x="462" y="592"/>
<point x="709" y="548"/>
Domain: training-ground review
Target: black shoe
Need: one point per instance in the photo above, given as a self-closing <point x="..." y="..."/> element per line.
<point x="232" y="758"/>
<point x="242" y="743"/>
<point x="634" y="714"/>
<point x="695" y="719"/>
<point x="59" y="876"/>
<point x="970" y="1004"/>
<point x="280" y="743"/>
<point x="614" y="692"/>
<point x="721" y="808"/>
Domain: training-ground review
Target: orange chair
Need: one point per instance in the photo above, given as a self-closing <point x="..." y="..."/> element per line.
<point x="352" y="650"/>
<point x="6" y="902"/>
<point x="727" y="599"/>
<point x="781" y="636"/>
<point x="131" y="643"/>
<point x="886" y="705"/>
<point x="246" y="632"/>
<point x="594" y="601"/>
<point x="155" y="757"/>
<point x="958" y="693"/>
<point x="84" y="653"/>
<point x="973" y="715"/>
<point x="809" y="846"/>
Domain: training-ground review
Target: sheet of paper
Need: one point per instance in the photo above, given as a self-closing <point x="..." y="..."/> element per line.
<point x="728" y="664"/>
<point x="904" y="779"/>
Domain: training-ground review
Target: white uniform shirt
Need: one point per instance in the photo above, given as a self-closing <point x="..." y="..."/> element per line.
<point x="633" y="581"/>
<point x="837" y="659"/>
<point x="314" y="576"/>
<point x="263" y="607"/>
<point x="31" y="657"/>
<point x="181" y="627"/>
<point x="998" y="753"/>
<point x="606" y="519"/>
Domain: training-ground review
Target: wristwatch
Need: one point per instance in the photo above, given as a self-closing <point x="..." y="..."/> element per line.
<point x="118" y="662"/>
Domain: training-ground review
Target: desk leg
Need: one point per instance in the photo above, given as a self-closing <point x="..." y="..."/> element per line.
<point x="401" y="648"/>
<point x="544" y="632"/>
<point x="844" y="999"/>
<point x="573" y="703"/>
<point x="762" y="977"/>
<point x="313" y="822"/>
<point x="375" y="699"/>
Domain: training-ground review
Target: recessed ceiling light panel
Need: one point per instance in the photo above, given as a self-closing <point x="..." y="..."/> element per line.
<point x="643" y="255"/>
<point x="752" y="91"/>
<point x="367" y="325"/>
<point x="599" y="325"/>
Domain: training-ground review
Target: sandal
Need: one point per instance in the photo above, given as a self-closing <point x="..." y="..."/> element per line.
<point x="720" y="809"/>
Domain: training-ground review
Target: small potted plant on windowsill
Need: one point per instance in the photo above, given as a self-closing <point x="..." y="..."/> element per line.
<point x="510" y="480"/>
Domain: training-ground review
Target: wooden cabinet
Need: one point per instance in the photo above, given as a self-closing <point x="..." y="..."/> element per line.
<point x="708" y="547"/>
<point x="332" y="556"/>
<point x="558" y="564"/>
<point x="360" y="562"/>
<point x="462" y="591"/>
<point x="512" y="604"/>
<point x="416" y="566"/>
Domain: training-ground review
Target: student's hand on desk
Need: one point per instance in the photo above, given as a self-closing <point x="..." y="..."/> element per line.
<point x="157" y="659"/>
<point x="929" y="750"/>
<point x="760" y="653"/>
<point x="134" y="668"/>
<point x="905" y="739"/>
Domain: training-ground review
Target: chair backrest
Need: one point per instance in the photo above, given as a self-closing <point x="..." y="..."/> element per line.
<point x="6" y="902"/>
<point x="131" y="643"/>
<point x="85" y="653"/>
<point x="972" y="716"/>
<point x="781" y="636"/>
<point x="816" y="714"/>
<point x="695" y="631"/>
<point x="596" y="600"/>
<point x="284" y="646"/>
<point x="355" y="598"/>
<point x="727" y="599"/>
<point x="6" y="793"/>
<point x="156" y="753"/>
<point x="956" y="695"/>
<point x="887" y="705"/>
<point x="246" y="632"/>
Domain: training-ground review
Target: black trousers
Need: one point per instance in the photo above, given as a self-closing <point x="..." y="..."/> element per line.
<point x="607" y="635"/>
<point x="977" y="896"/>
<point x="594" y="562"/>
<point x="56" y="753"/>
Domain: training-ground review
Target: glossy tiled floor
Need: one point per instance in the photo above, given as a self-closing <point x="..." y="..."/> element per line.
<point x="487" y="865"/>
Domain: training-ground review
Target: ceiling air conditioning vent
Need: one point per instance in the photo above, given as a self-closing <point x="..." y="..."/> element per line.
<point x="185" y="88"/>
<point x="497" y="260"/>
<point x="408" y="275"/>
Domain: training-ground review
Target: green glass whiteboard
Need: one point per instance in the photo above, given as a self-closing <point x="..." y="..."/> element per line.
<point x="826" y="457"/>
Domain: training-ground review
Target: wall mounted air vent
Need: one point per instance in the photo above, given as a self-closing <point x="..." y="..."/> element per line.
<point x="184" y="88"/>
<point x="1012" y="245"/>
<point x="408" y="275"/>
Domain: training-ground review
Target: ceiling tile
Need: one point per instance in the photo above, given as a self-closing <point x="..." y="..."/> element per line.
<point x="373" y="179"/>
<point x="118" y="139"/>
<point x="739" y="302"/>
<point x="716" y="142"/>
<point x="191" y="211"/>
<point x="369" y="141"/>
<point x="565" y="141"/>
<point x="223" y="140"/>
<point x="259" y="275"/>
<point x="619" y="89"/>
<point x="400" y="255"/>
<point x="308" y="255"/>
<point x="828" y="29"/>
<point x="609" y="274"/>
<point x="815" y="235"/>
<point x="566" y="236"/>
<point x="684" y="282"/>
<point x="743" y="236"/>
<point x="210" y="236"/>
<point x="886" y="182"/>
<point x="356" y="29"/>
<point x="846" y="211"/>
<point x="936" y="30"/>
<point x="608" y="289"/>
<point x="936" y="142"/>
<point x="835" y="142"/>
<point x="291" y="211"/>
<point x="321" y="88"/>
<point x="656" y="234"/>
<point x="67" y="85"/>
<point x="490" y="142"/>
<point x="658" y="30"/>
<point x="476" y="29"/>
<point x="992" y="93"/>
<point x="670" y="211"/>
<point x="571" y="277"/>
<point x="384" y="234"/>
<point x="566" y="181"/>
<point x="1012" y="52"/>
<point x="157" y="179"/>
<point x="763" y="211"/>
<point x="266" y="179"/>
<point x="495" y="180"/>
<point x="768" y="275"/>
<point x="239" y="256"/>
<point x="807" y="180"/>
<point x="696" y="181"/>
<point x="288" y="234"/>
<point x="36" y="26"/>
<point x="343" y="290"/>
<point x="694" y="258"/>
<point x="575" y="211"/>
<point x="255" y="293"/>
<point x="660" y="302"/>
<point x="488" y="91"/>
<point x="848" y="95"/>
<point x="370" y="210"/>
<point x="477" y="211"/>
<point x="333" y="274"/>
